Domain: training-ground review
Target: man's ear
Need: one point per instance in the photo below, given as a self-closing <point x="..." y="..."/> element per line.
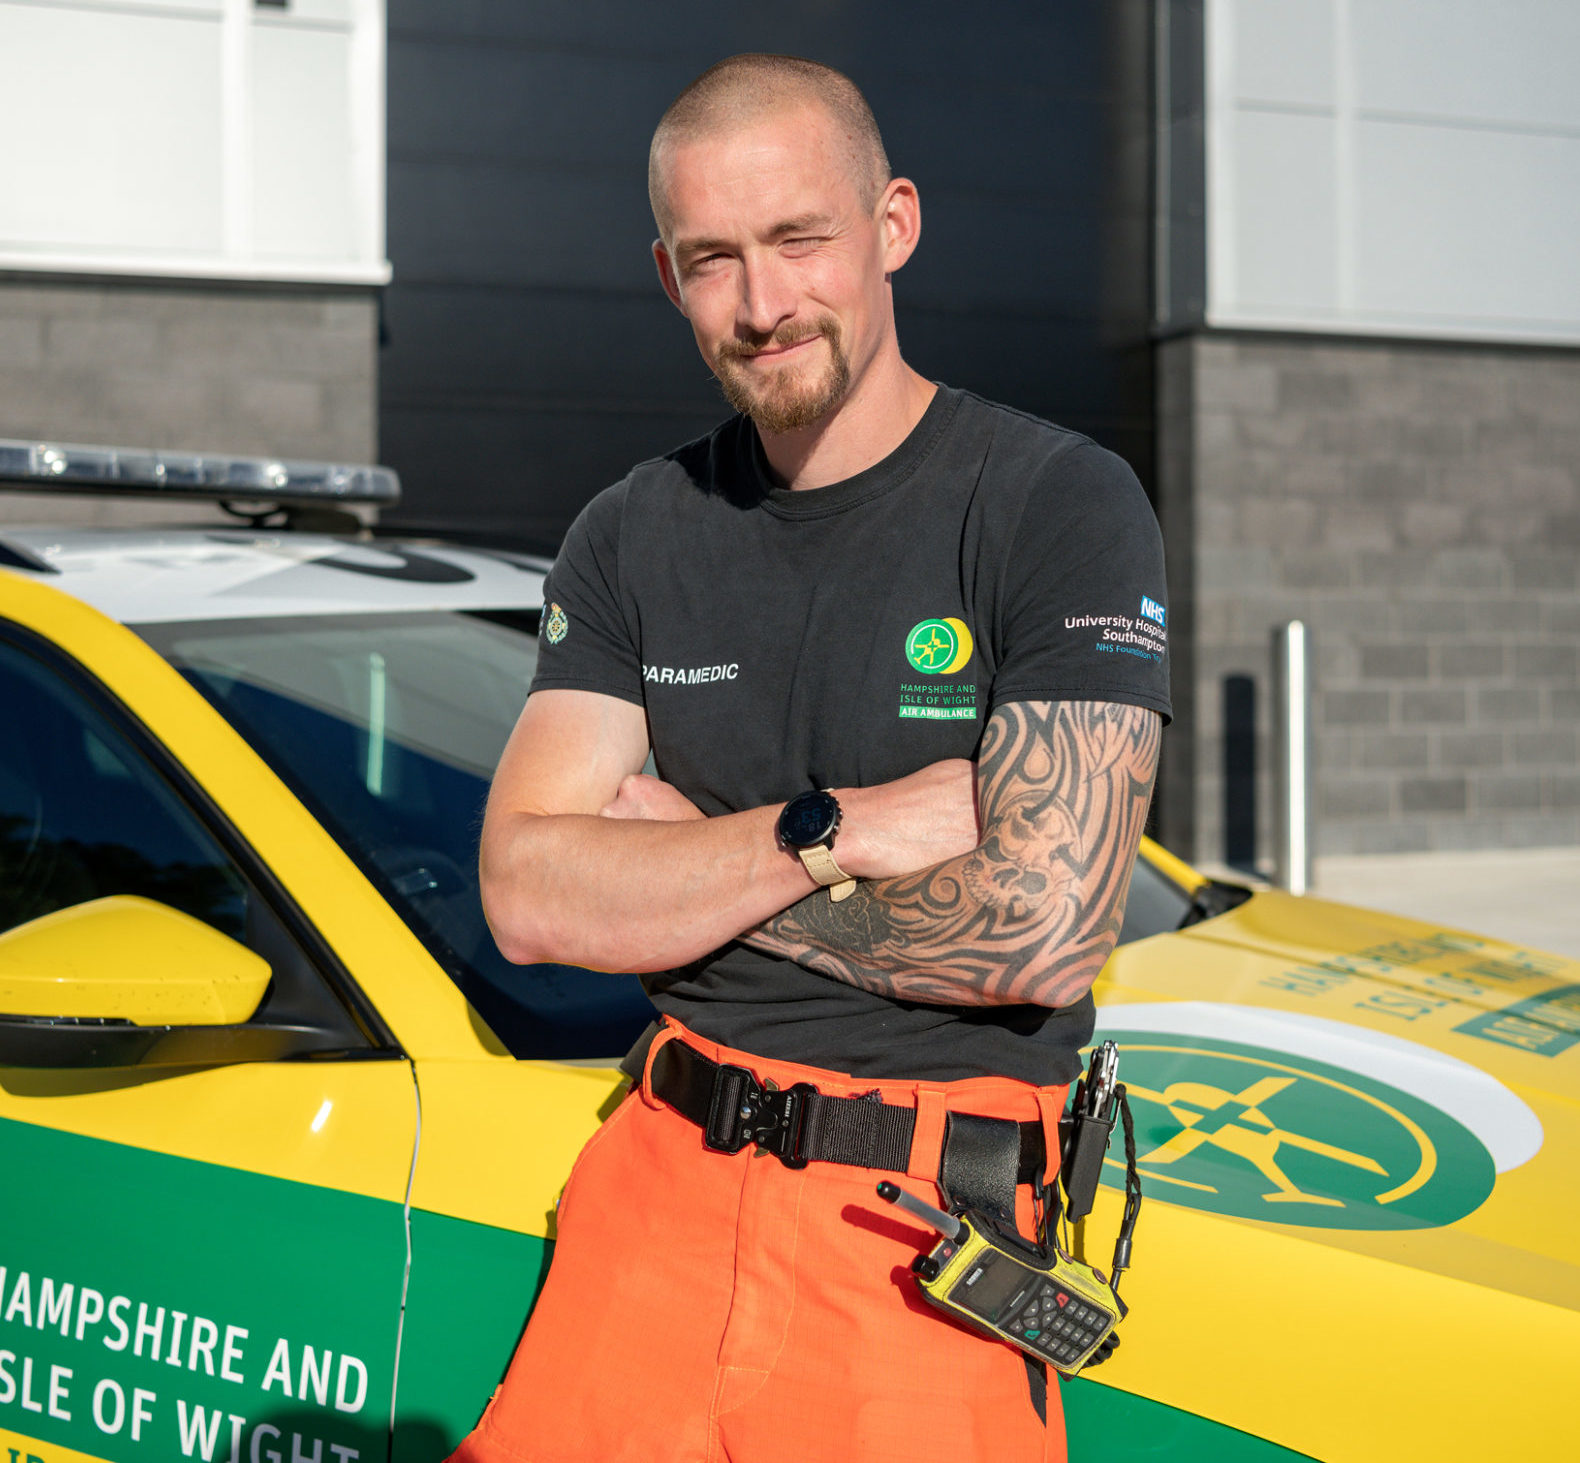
<point x="666" y="274"/>
<point x="900" y="219"/>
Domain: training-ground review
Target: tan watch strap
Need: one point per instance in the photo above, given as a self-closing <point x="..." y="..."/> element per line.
<point x="819" y="861"/>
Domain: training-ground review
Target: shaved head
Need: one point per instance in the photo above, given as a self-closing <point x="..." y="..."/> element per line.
<point x="739" y="90"/>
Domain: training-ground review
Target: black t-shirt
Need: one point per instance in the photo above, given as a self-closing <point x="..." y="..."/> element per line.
<point x="846" y="636"/>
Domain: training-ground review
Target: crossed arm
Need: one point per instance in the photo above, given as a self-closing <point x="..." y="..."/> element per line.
<point x="1032" y="913"/>
<point x="1025" y="910"/>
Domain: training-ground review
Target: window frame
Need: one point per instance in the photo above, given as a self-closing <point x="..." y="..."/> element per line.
<point x="67" y="1042"/>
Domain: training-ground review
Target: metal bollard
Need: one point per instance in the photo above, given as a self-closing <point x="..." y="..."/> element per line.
<point x="1293" y="762"/>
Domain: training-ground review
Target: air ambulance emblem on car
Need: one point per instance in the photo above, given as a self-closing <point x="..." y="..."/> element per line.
<point x="1263" y="1134"/>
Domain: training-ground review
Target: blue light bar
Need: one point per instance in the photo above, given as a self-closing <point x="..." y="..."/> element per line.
<point x="142" y="473"/>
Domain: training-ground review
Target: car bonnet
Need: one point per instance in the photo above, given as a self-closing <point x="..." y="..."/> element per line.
<point x="151" y="576"/>
<point x="1363" y="1081"/>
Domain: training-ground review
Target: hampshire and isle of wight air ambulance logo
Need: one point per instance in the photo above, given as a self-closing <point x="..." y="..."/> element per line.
<point x="555" y="624"/>
<point x="939" y="647"/>
<point x="1268" y="1135"/>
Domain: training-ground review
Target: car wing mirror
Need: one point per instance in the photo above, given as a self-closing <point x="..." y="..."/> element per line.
<point x="122" y="981"/>
<point x="124" y="958"/>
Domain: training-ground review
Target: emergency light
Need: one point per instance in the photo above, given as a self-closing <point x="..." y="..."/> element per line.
<point x="140" y="472"/>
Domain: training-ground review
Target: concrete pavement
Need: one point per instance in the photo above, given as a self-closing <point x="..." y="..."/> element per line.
<point x="1526" y="896"/>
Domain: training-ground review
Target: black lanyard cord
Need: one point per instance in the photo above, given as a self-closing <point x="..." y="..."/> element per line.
<point x="1127" y="1225"/>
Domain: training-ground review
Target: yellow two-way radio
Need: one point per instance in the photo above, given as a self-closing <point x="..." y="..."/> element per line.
<point x="1036" y="1296"/>
<point x="1056" y="1308"/>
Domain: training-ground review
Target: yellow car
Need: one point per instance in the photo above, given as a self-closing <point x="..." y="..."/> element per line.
<point x="282" y="1134"/>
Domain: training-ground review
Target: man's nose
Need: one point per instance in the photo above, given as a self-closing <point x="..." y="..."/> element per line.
<point x="767" y="300"/>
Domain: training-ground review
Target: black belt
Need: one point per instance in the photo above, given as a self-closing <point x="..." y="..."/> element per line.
<point x="800" y="1125"/>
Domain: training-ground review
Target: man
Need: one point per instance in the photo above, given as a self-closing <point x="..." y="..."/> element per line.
<point x="941" y="612"/>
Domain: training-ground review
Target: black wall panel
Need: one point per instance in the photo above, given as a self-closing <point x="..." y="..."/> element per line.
<point x="529" y="356"/>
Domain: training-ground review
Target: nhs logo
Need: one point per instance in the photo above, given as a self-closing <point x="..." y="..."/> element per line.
<point x="1152" y="610"/>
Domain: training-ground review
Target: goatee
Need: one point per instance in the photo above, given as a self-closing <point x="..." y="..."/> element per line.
<point x="790" y="398"/>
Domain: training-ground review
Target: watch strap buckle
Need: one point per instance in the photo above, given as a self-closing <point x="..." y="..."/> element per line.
<point x="820" y="863"/>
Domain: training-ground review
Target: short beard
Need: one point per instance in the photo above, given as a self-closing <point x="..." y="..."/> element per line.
<point x="787" y="401"/>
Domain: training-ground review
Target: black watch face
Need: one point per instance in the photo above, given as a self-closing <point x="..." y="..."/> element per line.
<point x="808" y="819"/>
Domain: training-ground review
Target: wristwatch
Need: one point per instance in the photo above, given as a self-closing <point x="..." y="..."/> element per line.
<point x="807" y="824"/>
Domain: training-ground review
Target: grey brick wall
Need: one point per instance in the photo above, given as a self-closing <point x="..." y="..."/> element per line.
<point x="284" y="372"/>
<point x="1418" y="505"/>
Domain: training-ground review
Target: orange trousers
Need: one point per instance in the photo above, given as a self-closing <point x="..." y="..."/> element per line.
<point x="705" y="1306"/>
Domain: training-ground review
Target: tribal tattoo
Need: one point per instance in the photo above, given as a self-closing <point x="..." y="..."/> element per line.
<point x="1033" y="912"/>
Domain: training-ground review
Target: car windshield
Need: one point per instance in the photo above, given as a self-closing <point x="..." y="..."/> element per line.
<point x="1154" y="906"/>
<point x="389" y="727"/>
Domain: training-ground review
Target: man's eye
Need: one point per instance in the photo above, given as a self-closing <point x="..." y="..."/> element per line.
<point x="801" y="245"/>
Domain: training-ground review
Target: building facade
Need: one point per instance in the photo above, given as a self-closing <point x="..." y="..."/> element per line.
<point x="1368" y="314"/>
<point x="1308" y="266"/>
<point x="191" y="227"/>
<point x="532" y="357"/>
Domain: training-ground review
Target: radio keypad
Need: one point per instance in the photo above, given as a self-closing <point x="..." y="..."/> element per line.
<point x="1057" y="1322"/>
<point x="1032" y="1308"/>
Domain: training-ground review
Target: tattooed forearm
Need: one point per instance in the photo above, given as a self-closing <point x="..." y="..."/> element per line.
<point x="1031" y="914"/>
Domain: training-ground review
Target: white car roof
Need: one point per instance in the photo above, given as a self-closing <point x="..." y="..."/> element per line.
<point x="149" y="576"/>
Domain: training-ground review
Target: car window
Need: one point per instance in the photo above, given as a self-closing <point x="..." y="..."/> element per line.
<point x="82" y="816"/>
<point x="389" y="726"/>
<point x="1155" y="906"/>
<point x="86" y="813"/>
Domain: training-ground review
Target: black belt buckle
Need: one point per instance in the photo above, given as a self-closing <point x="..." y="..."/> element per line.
<point x="743" y="1112"/>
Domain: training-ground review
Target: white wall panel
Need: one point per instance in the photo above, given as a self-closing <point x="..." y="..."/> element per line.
<point x="1482" y="221"/>
<point x="205" y="138"/>
<point x="111" y="128"/>
<point x="1501" y="61"/>
<point x="1284" y="51"/>
<point x="145" y="8"/>
<point x="1285" y="244"/>
<point x="315" y="12"/>
<point x="1401" y="166"/>
<point x="303" y="198"/>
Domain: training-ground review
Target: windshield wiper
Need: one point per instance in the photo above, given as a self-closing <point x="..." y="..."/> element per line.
<point x="1215" y="897"/>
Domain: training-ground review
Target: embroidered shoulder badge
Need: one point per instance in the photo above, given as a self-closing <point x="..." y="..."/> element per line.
<point x="555" y="624"/>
